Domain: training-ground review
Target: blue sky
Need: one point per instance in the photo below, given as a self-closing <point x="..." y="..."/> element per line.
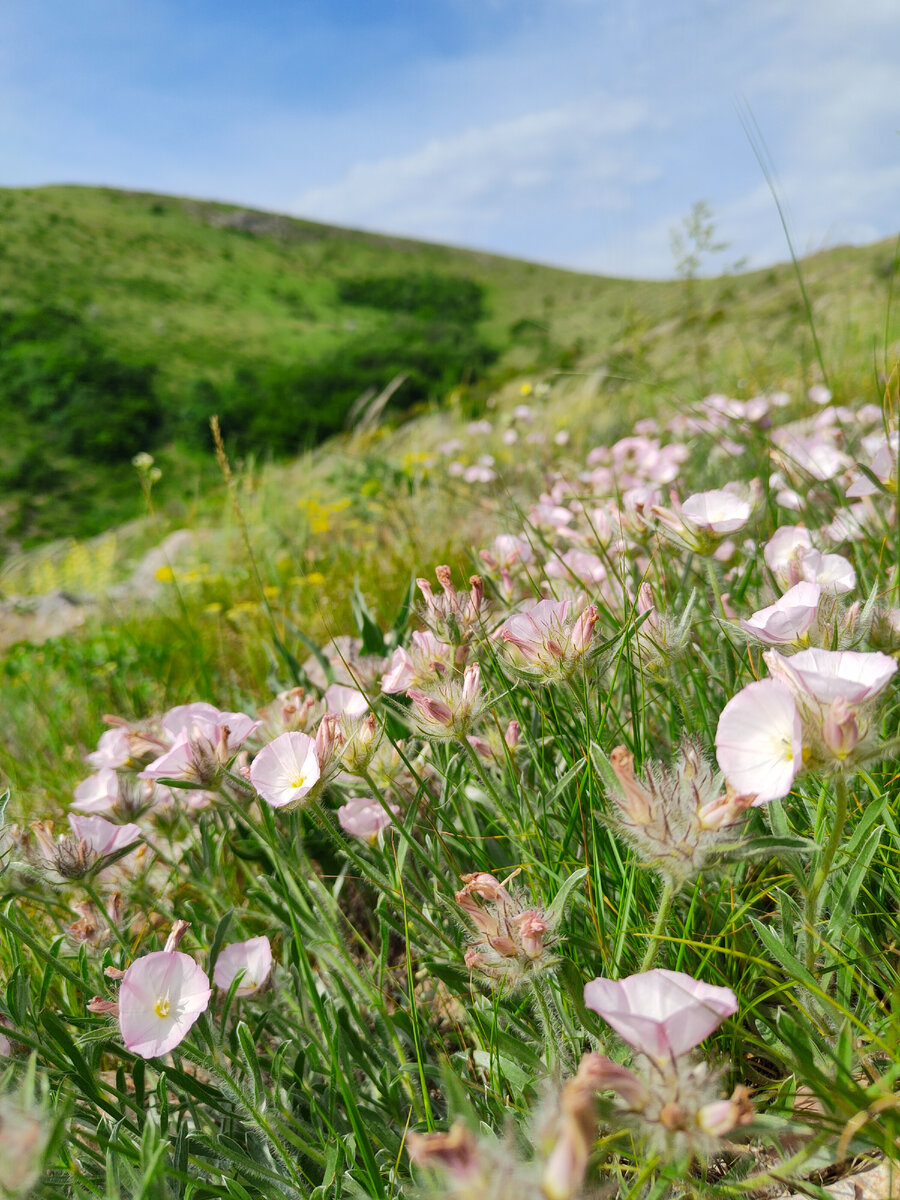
<point x="575" y="132"/>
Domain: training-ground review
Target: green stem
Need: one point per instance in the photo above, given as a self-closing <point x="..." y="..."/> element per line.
<point x="714" y="584"/>
<point x="814" y="895"/>
<point x="548" y="1029"/>
<point x="665" y="905"/>
<point x="88" y="886"/>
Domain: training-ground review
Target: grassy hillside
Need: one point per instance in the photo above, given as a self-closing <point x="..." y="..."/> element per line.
<point x="126" y="319"/>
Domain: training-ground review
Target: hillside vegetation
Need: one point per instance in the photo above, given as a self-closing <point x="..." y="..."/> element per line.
<point x="127" y="319"/>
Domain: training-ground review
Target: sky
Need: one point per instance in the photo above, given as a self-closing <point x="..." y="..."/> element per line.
<point x="572" y="132"/>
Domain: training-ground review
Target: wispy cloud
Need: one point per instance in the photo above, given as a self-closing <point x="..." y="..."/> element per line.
<point x="458" y="186"/>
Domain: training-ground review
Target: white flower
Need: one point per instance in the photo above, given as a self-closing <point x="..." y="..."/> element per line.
<point x="758" y="741"/>
<point x="253" y="957"/>
<point x="285" y="770"/>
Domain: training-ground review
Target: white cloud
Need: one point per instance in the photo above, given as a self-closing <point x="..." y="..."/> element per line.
<point x="460" y="184"/>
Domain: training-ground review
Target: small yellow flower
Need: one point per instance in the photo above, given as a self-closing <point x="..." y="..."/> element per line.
<point x="165" y="574"/>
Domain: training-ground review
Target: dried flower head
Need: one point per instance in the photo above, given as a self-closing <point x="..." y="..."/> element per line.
<point x="456" y="617"/>
<point x="451" y="707"/>
<point x="513" y="941"/>
<point x="680" y="820"/>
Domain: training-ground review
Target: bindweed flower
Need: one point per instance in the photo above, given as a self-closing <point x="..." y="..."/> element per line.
<point x="451" y="707"/>
<point x="99" y="792"/>
<point x="836" y="693"/>
<point x="287" y="770"/>
<point x="661" y="1014"/>
<point x="103" y="837"/>
<point x="678" y="821"/>
<point x="253" y="958"/>
<point x="704" y="519"/>
<point x="512" y="941"/>
<point x="364" y="818"/>
<point x="789" y="620"/>
<point x="759" y="742"/>
<point x="206" y="740"/>
<point x="546" y="643"/>
<point x="456" y="617"/>
<point x="160" y="998"/>
<point x="426" y="660"/>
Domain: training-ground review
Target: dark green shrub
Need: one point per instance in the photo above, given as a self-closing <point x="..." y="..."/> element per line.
<point x="424" y="294"/>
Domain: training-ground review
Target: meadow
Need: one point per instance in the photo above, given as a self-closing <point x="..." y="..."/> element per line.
<point x="499" y="801"/>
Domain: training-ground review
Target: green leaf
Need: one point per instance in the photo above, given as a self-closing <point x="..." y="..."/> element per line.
<point x="773" y="846"/>
<point x="558" y="906"/>
<point x="372" y="637"/>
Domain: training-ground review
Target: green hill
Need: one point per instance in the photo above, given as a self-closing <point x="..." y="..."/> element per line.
<point x="127" y="319"/>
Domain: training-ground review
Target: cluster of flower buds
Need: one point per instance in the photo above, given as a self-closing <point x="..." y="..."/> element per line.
<point x="356" y="728"/>
<point x="671" y="1099"/>
<point x="456" y="617"/>
<point x="660" y="639"/>
<point x="512" y="941"/>
<point x="451" y="706"/>
<point x="95" y="929"/>
<point x="679" y="821"/>
<point x="466" y="1167"/>
<point x="494" y="750"/>
<point x="547" y="644"/>
<point x="509" y="556"/>
<point x="293" y="711"/>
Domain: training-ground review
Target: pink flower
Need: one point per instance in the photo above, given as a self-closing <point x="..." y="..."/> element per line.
<point x="161" y="996"/>
<point x="426" y="660"/>
<point x="113" y="749"/>
<point x="827" y="675"/>
<point x="759" y="741"/>
<point x="286" y="770"/>
<point x="348" y="700"/>
<point x="103" y="837"/>
<point x="717" y="511"/>
<point x="364" y="818"/>
<point x="788" y="619"/>
<point x="832" y="572"/>
<point x="253" y="957"/>
<point x="547" y="642"/>
<point x="205" y="741"/>
<point x="660" y="1013"/>
<point x="99" y="792"/>
<point x="782" y="552"/>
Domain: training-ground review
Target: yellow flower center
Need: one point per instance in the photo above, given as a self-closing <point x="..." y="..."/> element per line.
<point x="299" y="782"/>
<point x="162" y="1006"/>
